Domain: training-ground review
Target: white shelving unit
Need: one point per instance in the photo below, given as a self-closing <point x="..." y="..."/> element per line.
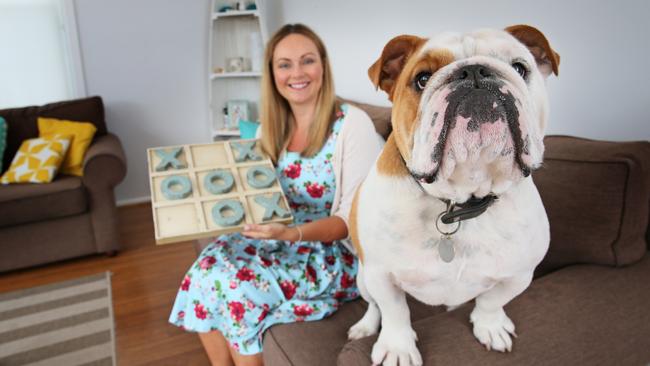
<point x="231" y="37"/>
<point x="245" y="74"/>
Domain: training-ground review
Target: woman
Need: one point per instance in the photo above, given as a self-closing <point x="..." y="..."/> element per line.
<point x="242" y="284"/>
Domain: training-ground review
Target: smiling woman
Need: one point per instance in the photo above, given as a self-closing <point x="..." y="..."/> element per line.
<point x="244" y="283"/>
<point x="41" y="62"/>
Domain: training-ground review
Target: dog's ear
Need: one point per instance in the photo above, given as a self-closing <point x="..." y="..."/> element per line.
<point x="385" y="71"/>
<point x="547" y="60"/>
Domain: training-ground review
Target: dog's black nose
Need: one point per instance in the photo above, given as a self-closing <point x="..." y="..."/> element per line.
<point x="473" y="73"/>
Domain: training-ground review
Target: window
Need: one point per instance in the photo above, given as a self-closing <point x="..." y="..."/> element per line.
<point x="40" y="60"/>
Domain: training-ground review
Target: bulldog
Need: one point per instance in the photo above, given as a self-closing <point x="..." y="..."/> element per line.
<point x="449" y="212"/>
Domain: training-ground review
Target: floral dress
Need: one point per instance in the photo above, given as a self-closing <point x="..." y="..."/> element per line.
<point x="241" y="286"/>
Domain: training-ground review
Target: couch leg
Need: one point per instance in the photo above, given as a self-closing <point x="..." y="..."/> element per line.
<point x="111" y="253"/>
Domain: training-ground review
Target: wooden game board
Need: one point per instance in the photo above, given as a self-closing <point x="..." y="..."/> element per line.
<point x="191" y="217"/>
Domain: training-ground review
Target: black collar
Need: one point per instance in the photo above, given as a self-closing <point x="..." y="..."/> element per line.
<point x="468" y="209"/>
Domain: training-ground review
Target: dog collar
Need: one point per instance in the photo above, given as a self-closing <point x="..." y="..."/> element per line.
<point x="468" y="210"/>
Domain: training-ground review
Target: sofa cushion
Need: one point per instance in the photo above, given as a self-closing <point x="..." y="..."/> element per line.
<point x="82" y="135"/>
<point x="22" y="121"/>
<point x="596" y="195"/>
<point x="37" y="160"/>
<point x="318" y="343"/>
<point x="25" y="203"/>
<point x="380" y="116"/>
<point x="580" y="315"/>
<point x="3" y="139"/>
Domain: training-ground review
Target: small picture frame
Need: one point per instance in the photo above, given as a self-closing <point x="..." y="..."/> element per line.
<point x="236" y="64"/>
<point x="237" y="110"/>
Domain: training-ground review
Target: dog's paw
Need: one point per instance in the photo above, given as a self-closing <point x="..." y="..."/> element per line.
<point x="363" y="328"/>
<point x="368" y="325"/>
<point x="396" y="348"/>
<point x="493" y="329"/>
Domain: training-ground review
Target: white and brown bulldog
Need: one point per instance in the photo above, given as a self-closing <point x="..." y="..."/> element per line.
<point x="449" y="211"/>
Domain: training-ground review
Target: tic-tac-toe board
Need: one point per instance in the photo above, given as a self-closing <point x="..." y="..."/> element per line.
<point x="205" y="190"/>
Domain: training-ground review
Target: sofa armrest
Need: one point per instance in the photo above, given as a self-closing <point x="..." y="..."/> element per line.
<point x="579" y="315"/>
<point x="105" y="162"/>
<point x="104" y="167"/>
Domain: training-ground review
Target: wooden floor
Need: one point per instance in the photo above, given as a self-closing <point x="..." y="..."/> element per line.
<point x="145" y="280"/>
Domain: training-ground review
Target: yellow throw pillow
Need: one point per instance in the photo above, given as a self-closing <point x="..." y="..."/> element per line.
<point x="82" y="133"/>
<point x="37" y="160"/>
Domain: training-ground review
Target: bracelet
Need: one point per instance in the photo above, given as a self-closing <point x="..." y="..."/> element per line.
<point x="299" y="233"/>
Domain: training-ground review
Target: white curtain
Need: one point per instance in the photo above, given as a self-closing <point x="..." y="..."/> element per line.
<point x="39" y="53"/>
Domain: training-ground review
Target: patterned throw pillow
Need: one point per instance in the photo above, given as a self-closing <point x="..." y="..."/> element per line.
<point x="3" y="140"/>
<point x="82" y="133"/>
<point x="37" y="160"/>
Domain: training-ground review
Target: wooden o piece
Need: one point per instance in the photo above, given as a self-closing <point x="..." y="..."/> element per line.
<point x="176" y="194"/>
<point x="210" y="182"/>
<point x="234" y="219"/>
<point x="266" y="181"/>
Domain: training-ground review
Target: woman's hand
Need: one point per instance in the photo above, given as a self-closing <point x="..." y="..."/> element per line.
<point x="271" y="231"/>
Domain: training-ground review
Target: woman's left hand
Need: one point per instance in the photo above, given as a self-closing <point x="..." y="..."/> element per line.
<point x="270" y="231"/>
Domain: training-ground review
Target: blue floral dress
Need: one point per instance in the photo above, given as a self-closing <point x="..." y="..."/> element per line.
<point x="241" y="286"/>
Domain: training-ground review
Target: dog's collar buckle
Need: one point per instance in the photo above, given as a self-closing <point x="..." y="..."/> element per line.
<point x="470" y="209"/>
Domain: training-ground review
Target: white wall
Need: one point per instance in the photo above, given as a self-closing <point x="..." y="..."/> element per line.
<point x="148" y="60"/>
<point x="603" y="90"/>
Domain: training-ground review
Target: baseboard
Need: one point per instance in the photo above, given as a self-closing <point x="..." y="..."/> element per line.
<point x="133" y="201"/>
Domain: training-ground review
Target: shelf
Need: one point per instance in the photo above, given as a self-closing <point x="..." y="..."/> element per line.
<point x="225" y="133"/>
<point x="234" y="34"/>
<point x="235" y="13"/>
<point x="225" y="75"/>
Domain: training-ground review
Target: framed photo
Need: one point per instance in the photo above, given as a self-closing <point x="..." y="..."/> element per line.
<point x="237" y="110"/>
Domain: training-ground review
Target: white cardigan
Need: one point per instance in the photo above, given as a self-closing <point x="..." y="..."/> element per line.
<point x="357" y="147"/>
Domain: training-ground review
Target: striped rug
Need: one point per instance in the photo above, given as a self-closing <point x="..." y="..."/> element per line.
<point x="66" y="323"/>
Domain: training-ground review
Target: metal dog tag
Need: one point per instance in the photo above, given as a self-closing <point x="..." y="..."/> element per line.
<point x="446" y="249"/>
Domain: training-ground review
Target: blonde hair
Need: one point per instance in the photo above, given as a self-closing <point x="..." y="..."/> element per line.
<point x="277" y="127"/>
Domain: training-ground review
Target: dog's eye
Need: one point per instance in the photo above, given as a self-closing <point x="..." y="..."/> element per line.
<point x="421" y="80"/>
<point x="520" y="69"/>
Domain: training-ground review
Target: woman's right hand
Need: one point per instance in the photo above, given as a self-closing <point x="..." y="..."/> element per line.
<point x="275" y="231"/>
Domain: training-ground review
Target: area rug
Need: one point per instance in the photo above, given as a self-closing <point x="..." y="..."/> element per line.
<point x="65" y="323"/>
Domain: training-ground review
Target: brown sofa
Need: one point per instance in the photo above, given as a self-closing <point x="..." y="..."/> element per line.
<point x="589" y="302"/>
<point x="71" y="216"/>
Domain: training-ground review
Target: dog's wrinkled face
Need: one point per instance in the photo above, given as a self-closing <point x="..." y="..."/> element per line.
<point x="469" y="110"/>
